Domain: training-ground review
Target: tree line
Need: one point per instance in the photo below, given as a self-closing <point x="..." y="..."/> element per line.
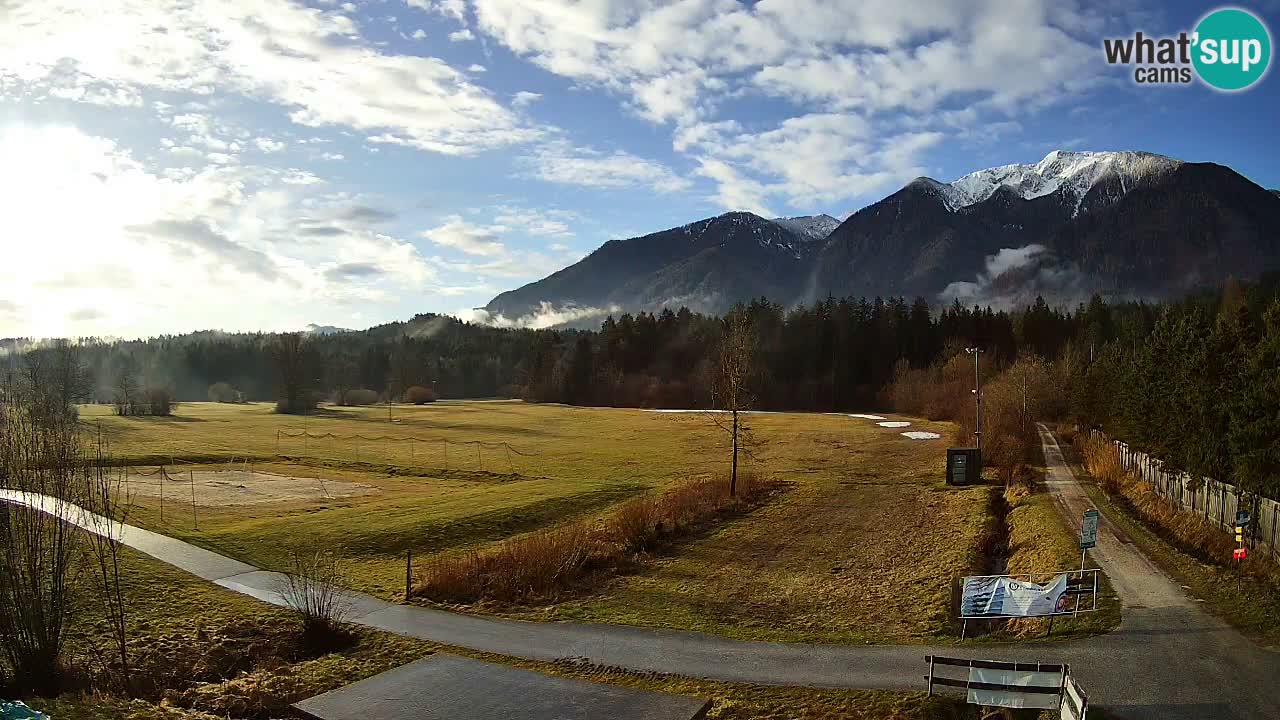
<point x="836" y="354"/>
<point x="1192" y="381"/>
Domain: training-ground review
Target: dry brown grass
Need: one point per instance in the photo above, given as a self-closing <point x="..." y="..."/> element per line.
<point x="544" y="563"/>
<point x="1190" y="532"/>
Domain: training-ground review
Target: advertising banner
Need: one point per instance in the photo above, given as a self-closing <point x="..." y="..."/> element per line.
<point x="1002" y="596"/>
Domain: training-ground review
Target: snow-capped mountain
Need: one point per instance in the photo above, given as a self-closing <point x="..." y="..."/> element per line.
<point x="809" y="227"/>
<point x="1120" y="224"/>
<point x="1074" y="174"/>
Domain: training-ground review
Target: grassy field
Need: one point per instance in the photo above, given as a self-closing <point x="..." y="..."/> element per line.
<point x="209" y="654"/>
<point x="864" y="523"/>
<point x="862" y="546"/>
<point x="861" y="549"/>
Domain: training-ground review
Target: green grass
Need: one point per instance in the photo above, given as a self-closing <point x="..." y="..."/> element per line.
<point x="865" y="518"/>
<point x="177" y="619"/>
<point x="861" y="548"/>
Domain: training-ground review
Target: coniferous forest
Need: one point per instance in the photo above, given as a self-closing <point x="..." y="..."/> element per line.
<point x="1195" y="381"/>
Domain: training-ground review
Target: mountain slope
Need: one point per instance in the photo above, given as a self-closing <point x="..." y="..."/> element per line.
<point x="1128" y="224"/>
<point x="810" y="227"/>
<point x="706" y="266"/>
<point x="1123" y="224"/>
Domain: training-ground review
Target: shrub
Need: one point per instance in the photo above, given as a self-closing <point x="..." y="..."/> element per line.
<point x="545" y="562"/>
<point x="419" y="395"/>
<point x="312" y="587"/>
<point x="636" y="524"/>
<point x="159" y="402"/>
<point x="224" y="392"/>
<point x="360" y="396"/>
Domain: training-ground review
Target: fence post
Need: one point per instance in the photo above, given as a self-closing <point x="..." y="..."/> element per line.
<point x="930" y="659"/>
<point x="1275" y="507"/>
<point x="1222" y="505"/>
<point x="195" y="519"/>
<point x="408" y="574"/>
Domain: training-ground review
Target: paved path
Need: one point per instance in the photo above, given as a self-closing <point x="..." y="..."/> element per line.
<point x="448" y="687"/>
<point x="1168" y="659"/>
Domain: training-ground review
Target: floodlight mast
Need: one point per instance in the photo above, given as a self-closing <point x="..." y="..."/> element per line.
<point x="977" y="394"/>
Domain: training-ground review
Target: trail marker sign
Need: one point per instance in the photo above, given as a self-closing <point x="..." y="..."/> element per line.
<point x="1242" y="518"/>
<point x="1089" y="530"/>
<point x="1240" y="553"/>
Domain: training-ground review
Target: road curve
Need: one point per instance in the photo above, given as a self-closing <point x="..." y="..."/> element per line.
<point x="1168" y="659"/>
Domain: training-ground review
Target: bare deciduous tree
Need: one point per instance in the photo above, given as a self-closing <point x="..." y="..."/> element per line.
<point x="106" y="498"/>
<point x="730" y="385"/>
<point x="39" y="454"/>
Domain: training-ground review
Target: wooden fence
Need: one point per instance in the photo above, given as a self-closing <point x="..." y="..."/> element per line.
<point x="1216" y="501"/>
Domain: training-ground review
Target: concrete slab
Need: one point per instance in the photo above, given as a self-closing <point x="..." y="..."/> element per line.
<point x="457" y="688"/>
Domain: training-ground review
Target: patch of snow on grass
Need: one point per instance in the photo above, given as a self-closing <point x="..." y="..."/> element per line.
<point x="894" y="423"/>
<point x="867" y="417"/>
<point x="921" y="435"/>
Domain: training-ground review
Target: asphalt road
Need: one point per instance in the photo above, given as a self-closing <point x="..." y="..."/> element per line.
<point x="1167" y="660"/>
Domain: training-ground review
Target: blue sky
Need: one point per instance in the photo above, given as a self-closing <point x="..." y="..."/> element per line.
<point x="171" y="166"/>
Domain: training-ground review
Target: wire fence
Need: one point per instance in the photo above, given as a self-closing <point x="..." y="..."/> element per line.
<point x="177" y="488"/>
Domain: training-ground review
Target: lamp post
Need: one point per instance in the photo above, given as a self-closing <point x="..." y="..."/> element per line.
<point x="977" y="394"/>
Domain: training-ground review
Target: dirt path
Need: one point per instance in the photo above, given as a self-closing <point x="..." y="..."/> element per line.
<point x="1207" y="669"/>
<point x="1138" y="582"/>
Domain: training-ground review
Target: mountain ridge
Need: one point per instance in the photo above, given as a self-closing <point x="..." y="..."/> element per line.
<point x="1117" y="223"/>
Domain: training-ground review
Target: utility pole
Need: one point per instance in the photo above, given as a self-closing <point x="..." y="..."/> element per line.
<point x="977" y="394"/>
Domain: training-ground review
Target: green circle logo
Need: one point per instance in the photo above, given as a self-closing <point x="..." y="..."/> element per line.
<point x="1232" y="49"/>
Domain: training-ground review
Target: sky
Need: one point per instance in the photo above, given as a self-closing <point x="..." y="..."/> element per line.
<point x="168" y="166"/>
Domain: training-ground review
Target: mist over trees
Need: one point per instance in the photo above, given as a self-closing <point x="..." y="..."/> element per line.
<point x="1193" y="381"/>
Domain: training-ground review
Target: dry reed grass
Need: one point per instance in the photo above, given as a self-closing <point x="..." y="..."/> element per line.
<point x="544" y="563"/>
<point x="1188" y="531"/>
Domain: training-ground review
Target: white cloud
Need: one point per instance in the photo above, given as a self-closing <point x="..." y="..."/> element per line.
<point x="312" y="62"/>
<point x="846" y="64"/>
<point x="419" y="34"/>
<point x="477" y="68"/>
<point x="458" y="234"/>
<point x="735" y="192"/>
<point x="560" y="162"/>
<point x="810" y="159"/>
<point x="267" y="145"/>
<point x="455" y="9"/>
<point x="545" y="316"/>
<point x="211" y="246"/>
<point x="525" y="98"/>
<point x="462" y="35"/>
<point x="332" y="156"/>
<point x="542" y="223"/>
<point x="850" y="53"/>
